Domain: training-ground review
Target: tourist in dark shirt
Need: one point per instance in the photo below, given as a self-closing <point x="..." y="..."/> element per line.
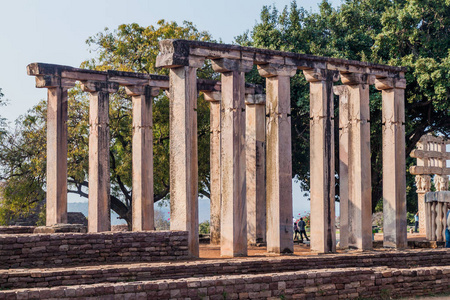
<point x="302" y="228"/>
<point x="296" y="232"/>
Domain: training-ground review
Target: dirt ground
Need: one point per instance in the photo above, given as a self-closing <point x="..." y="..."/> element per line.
<point x="212" y="252"/>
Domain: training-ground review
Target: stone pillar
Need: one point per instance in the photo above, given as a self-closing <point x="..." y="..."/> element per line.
<point x="99" y="218"/>
<point x="184" y="153"/>
<point x="233" y="227"/>
<point x="255" y="139"/>
<point x="323" y="232"/>
<point x="359" y="177"/>
<point x="394" y="170"/>
<point x="215" y="194"/>
<point x="278" y="157"/>
<point x="433" y="221"/>
<point x="438" y="221"/>
<point x="423" y="186"/>
<point x="343" y="93"/>
<point x="142" y="156"/>
<point x="56" y="202"/>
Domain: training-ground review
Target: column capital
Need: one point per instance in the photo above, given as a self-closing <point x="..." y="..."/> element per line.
<point x="314" y="75"/>
<point x="213" y="96"/>
<point x="272" y="70"/>
<point x="223" y="65"/>
<point x="390" y="83"/>
<point x="441" y="182"/>
<point x="255" y="99"/>
<point x="340" y="90"/>
<point x="52" y="81"/>
<point x="138" y="90"/>
<point x="423" y="184"/>
<point x="356" y="78"/>
<point x="99" y="86"/>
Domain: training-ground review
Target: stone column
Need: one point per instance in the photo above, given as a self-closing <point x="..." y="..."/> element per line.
<point x="184" y="153"/>
<point x="323" y="232"/>
<point x="278" y="157"/>
<point x="359" y="177"/>
<point x="255" y="139"/>
<point x="438" y="221"/>
<point x="343" y="93"/>
<point x="394" y="170"/>
<point x="233" y="228"/>
<point x="56" y="202"/>
<point x="433" y="221"/>
<point x="142" y="156"/>
<point x="215" y="194"/>
<point x="423" y="186"/>
<point x="99" y="175"/>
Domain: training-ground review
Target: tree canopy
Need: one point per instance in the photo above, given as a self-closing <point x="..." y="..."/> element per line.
<point x="23" y="152"/>
<point x="414" y="34"/>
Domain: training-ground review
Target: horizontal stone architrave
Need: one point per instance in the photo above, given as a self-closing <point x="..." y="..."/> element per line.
<point x="176" y="53"/>
<point x="50" y="75"/>
<point x="441" y="196"/>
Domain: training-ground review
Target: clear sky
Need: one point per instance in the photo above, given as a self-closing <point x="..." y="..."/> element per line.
<point x="55" y="31"/>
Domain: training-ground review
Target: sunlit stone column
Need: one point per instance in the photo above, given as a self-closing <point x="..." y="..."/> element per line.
<point x="215" y="194"/>
<point x="278" y="157"/>
<point x="233" y="228"/>
<point x="142" y="156"/>
<point x="423" y="186"/>
<point x="359" y="174"/>
<point x="323" y="232"/>
<point x="343" y="93"/>
<point x="99" y="218"/>
<point x="255" y="139"/>
<point x="56" y="199"/>
<point x="394" y="170"/>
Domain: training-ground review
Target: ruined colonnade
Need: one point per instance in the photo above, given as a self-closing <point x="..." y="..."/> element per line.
<point x="184" y="57"/>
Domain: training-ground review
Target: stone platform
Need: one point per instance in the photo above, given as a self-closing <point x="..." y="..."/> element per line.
<point x="368" y="275"/>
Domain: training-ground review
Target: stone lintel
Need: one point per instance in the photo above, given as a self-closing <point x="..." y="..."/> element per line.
<point x="441" y="196"/>
<point x="99" y="86"/>
<point x="50" y="81"/>
<point x="356" y="78"/>
<point x="314" y="75"/>
<point x="223" y="65"/>
<point x="421" y="170"/>
<point x="138" y="90"/>
<point x="213" y="96"/>
<point x="271" y="70"/>
<point x="390" y="83"/>
<point x="255" y="99"/>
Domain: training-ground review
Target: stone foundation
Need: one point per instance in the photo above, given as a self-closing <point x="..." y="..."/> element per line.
<point x="16" y="229"/>
<point x="331" y="284"/>
<point x="37" y="250"/>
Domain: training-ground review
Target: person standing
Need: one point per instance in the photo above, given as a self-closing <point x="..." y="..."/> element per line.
<point x="297" y="234"/>
<point x="447" y="228"/>
<point x="302" y="228"/>
<point x="416" y="222"/>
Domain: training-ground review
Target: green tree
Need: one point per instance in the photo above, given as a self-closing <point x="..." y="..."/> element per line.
<point x="129" y="48"/>
<point x="413" y="34"/>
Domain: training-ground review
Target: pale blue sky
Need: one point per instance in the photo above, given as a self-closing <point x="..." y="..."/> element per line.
<point x="55" y="31"/>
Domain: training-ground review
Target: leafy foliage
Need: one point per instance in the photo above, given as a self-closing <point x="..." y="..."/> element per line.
<point x="129" y="48"/>
<point x="414" y="34"/>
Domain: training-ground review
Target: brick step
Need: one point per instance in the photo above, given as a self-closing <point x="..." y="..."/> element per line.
<point x="93" y="274"/>
<point x="372" y="283"/>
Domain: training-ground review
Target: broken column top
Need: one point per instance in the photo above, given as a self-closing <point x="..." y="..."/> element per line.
<point x="175" y="53"/>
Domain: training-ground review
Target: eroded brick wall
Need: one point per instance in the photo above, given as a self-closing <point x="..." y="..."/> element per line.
<point x="62" y="249"/>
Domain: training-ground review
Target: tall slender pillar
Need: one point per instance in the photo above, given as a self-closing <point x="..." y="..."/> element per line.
<point x="323" y="232"/>
<point x="423" y="186"/>
<point x="343" y="93"/>
<point x="142" y="156"/>
<point x="233" y="228"/>
<point x="99" y="218"/>
<point x="394" y="170"/>
<point x="278" y="157"/>
<point x="215" y="194"/>
<point x="359" y="176"/>
<point x="56" y="204"/>
<point x="184" y="153"/>
<point x="255" y="140"/>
